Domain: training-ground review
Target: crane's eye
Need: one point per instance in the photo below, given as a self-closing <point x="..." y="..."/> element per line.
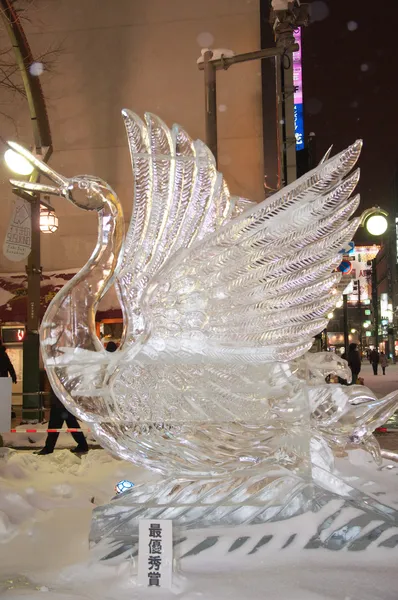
<point x="85" y="194"/>
<point x="83" y="184"/>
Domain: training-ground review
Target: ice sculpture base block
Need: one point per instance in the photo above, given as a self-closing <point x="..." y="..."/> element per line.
<point x="202" y="503"/>
<point x="296" y="511"/>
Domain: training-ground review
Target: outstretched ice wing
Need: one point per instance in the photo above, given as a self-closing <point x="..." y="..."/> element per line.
<point x="221" y="286"/>
<point x="179" y="198"/>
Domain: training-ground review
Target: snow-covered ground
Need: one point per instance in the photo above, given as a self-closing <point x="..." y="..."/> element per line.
<point x="380" y="384"/>
<point x="45" y="512"/>
<point x="46" y="504"/>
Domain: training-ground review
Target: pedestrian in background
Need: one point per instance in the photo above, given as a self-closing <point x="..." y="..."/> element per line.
<point x="58" y="415"/>
<point x="354" y="362"/>
<point x="374" y="360"/>
<point x="383" y="362"/>
<point x="6" y="366"/>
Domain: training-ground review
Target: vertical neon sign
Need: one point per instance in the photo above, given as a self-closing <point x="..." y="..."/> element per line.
<point x="298" y="94"/>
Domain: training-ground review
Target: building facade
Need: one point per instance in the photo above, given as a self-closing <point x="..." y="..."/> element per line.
<point x="143" y="56"/>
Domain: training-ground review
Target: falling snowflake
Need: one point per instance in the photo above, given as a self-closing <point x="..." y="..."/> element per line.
<point x="314" y="106"/>
<point x="352" y="25"/>
<point x="36" y="69"/>
<point x="224" y="159"/>
<point x="205" y="39"/>
<point x="319" y="10"/>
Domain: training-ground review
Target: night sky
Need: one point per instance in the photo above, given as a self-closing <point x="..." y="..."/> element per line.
<point x="351" y="87"/>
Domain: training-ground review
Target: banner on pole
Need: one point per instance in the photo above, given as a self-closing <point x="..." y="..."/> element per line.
<point x="17" y="243"/>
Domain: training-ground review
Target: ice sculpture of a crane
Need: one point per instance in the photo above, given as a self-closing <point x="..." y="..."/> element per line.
<point x="221" y="299"/>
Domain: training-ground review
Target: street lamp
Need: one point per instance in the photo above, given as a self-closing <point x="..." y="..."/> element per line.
<point x="375" y="221"/>
<point x="43" y="219"/>
<point x="17" y="163"/>
<point x="42" y="143"/>
<point x="377" y="224"/>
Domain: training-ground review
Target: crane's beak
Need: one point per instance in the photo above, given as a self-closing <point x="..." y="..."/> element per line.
<point x="30" y="186"/>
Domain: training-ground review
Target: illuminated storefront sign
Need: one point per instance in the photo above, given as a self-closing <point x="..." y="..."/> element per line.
<point x="361" y="273"/>
<point x="396" y="235"/>
<point x="13" y="335"/>
<point x="384" y="305"/>
<point x="298" y="93"/>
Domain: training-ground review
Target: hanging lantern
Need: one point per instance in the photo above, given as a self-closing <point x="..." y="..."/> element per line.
<point x="48" y="220"/>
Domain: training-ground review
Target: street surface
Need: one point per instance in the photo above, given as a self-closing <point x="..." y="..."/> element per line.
<point x="382" y="385"/>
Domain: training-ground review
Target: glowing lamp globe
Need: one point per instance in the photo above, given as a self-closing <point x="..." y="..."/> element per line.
<point x="48" y="221"/>
<point x="17" y="163"/>
<point x="123" y="486"/>
<point x="376" y="224"/>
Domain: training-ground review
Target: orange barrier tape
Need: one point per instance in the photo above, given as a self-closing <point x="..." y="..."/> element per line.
<point x="75" y="430"/>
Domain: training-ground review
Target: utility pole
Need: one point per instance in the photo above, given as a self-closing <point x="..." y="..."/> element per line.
<point x="390" y="242"/>
<point x="359" y="309"/>
<point x="375" y="302"/>
<point x="345" y="322"/>
<point x="210" y="66"/>
<point x="284" y="22"/>
<point x="285" y="17"/>
<point x="31" y="402"/>
<point x="210" y="73"/>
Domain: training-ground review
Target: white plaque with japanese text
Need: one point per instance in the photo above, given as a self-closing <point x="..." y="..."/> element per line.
<point x="155" y="553"/>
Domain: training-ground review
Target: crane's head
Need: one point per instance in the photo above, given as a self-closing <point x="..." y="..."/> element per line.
<point x="85" y="191"/>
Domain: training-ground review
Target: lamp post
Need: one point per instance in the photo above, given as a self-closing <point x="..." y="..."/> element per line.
<point x="43" y="148"/>
<point x="43" y="219"/>
<point x="375" y="221"/>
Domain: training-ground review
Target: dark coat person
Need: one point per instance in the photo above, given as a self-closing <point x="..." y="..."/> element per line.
<point x="6" y="366"/>
<point x="354" y="361"/>
<point x="58" y="415"/>
<point x="374" y="360"/>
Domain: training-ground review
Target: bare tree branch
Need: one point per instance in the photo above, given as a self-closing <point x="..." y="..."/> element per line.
<point x="10" y="78"/>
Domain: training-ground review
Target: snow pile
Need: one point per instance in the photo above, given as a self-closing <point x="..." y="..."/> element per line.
<point x="33" y="485"/>
<point x="45" y="512"/>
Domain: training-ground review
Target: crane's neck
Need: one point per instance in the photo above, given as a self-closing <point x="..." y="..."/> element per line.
<point x="69" y="321"/>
